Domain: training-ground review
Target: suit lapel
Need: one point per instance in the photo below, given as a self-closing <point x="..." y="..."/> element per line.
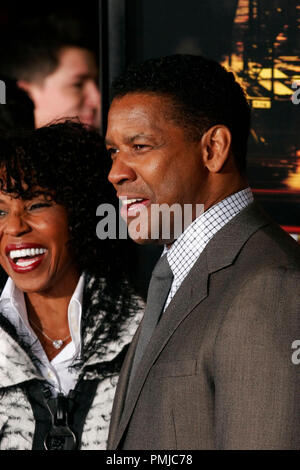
<point x="177" y="310"/>
<point x="219" y="253"/>
<point x="121" y="391"/>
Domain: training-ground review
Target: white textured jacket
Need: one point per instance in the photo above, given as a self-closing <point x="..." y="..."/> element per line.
<point x="24" y="415"/>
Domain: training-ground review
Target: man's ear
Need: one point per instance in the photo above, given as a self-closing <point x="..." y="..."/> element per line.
<point x="215" y="145"/>
<point x="26" y="86"/>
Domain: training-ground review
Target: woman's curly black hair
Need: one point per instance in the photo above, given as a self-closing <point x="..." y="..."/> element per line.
<point x="66" y="162"/>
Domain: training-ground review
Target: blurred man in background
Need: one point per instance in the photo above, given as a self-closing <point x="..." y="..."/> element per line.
<point x="53" y="59"/>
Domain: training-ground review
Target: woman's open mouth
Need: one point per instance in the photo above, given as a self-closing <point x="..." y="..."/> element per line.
<point x="25" y="257"/>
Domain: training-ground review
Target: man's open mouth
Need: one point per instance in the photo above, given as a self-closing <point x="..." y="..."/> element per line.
<point x="132" y="206"/>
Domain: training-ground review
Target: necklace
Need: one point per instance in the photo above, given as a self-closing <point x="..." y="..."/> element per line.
<point x="56" y="343"/>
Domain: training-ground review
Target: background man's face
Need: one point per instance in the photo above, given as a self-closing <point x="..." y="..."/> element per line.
<point x="70" y="91"/>
<point x="152" y="159"/>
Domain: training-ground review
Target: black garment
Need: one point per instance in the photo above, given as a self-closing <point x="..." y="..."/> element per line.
<point x="79" y="402"/>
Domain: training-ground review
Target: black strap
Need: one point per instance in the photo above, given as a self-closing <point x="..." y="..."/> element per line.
<point x="60" y="435"/>
<point x="60" y="413"/>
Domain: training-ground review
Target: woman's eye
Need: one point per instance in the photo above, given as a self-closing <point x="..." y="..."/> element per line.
<point x="2" y="213"/>
<point x="39" y="205"/>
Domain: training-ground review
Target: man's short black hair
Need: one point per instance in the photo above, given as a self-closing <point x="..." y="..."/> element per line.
<point x="203" y="94"/>
<point x="32" y="49"/>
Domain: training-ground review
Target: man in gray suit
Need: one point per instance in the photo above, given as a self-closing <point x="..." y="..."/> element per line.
<point x="211" y="366"/>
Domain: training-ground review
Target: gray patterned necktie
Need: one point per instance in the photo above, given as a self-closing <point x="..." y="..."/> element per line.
<point x="159" y="287"/>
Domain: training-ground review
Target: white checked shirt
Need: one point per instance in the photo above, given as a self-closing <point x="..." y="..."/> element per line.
<point x="185" y="251"/>
<point x="57" y="372"/>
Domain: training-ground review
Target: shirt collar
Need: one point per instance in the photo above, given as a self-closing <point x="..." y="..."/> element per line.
<point x="75" y="313"/>
<point x="13" y="307"/>
<point x="190" y="244"/>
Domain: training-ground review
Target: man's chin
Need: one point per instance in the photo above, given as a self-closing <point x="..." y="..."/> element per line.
<point x="144" y="241"/>
<point x="147" y="240"/>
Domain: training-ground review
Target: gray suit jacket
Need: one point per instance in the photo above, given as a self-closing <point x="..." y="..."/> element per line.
<point x="218" y="372"/>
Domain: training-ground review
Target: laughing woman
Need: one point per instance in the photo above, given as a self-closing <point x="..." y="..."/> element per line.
<point x="67" y="311"/>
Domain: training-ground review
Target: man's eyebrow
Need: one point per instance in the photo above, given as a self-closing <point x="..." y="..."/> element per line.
<point x="108" y="141"/>
<point x="137" y="136"/>
<point x="84" y="76"/>
<point x="130" y="139"/>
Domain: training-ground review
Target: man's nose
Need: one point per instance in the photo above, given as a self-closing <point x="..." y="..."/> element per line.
<point x="93" y="97"/>
<point x="121" y="172"/>
<point x="15" y="225"/>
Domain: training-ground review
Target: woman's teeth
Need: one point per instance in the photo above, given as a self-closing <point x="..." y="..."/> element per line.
<point x="24" y="263"/>
<point x="26" y="252"/>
